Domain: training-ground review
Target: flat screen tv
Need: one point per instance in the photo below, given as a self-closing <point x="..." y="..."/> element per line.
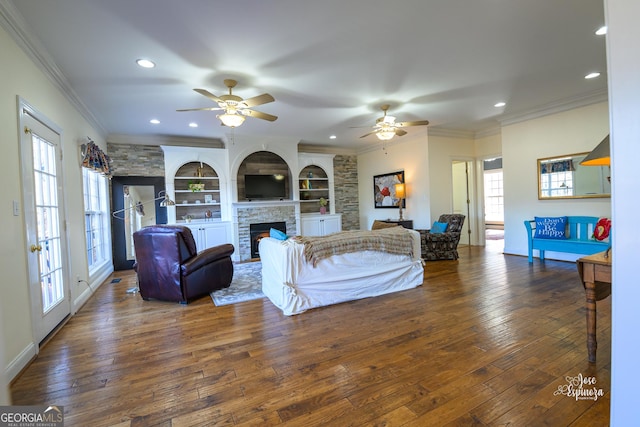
<point x="264" y="187"/>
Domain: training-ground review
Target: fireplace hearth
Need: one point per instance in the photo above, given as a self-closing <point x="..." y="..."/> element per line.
<point x="260" y="230"/>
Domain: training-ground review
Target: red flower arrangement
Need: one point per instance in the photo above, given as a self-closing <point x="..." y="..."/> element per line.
<point x="602" y="229"/>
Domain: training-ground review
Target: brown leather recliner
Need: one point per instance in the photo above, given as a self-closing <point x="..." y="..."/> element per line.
<point x="170" y="268"/>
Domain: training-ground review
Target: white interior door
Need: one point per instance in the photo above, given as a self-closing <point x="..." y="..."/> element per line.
<point x="462" y="183"/>
<point x="43" y="209"/>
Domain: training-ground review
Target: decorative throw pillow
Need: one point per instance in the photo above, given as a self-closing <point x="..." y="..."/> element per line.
<point x="602" y="229"/>
<point x="277" y="234"/>
<point x="439" y="227"/>
<point x="379" y="225"/>
<point x="551" y="227"/>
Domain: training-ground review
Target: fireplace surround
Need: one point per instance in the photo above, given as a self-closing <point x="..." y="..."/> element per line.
<point x="259" y="230"/>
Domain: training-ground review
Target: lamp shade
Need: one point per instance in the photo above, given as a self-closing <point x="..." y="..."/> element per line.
<point x="600" y="156"/>
<point x="166" y="201"/>
<point x="231" y="120"/>
<point x="385" y="135"/>
<point x="400" y="191"/>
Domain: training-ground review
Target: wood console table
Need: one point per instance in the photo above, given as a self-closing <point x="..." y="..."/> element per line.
<point x="595" y="273"/>
<point x="406" y="223"/>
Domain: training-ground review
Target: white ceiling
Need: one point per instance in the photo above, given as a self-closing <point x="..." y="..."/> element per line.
<point x="329" y="64"/>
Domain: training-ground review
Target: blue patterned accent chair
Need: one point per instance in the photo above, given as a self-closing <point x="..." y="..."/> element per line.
<point x="442" y="245"/>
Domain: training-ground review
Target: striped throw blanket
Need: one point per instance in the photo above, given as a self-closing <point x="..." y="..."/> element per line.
<point x="395" y="240"/>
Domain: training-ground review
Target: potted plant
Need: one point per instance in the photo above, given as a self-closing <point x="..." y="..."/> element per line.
<point x="323" y="205"/>
<point x="196" y="186"/>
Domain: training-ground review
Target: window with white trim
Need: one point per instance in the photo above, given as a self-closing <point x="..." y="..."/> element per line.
<point x="493" y="196"/>
<point x="96" y="217"/>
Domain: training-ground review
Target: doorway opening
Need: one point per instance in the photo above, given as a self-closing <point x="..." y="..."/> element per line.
<point x="493" y="201"/>
<point x="463" y="200"/>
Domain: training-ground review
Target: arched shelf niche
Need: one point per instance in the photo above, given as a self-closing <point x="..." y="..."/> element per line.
<point x="197" y="192"/>
<point x="271" y="170"/>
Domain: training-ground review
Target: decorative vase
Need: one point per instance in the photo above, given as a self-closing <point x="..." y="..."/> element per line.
<point x="323" y="210"/>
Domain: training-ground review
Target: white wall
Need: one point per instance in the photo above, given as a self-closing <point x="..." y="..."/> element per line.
<point x="488" y="147"/>
<point x="4" y="380"/>
<point x="623" y="56"/>
<point x="409" y="154"/>
<point x="569" y="132"/>
<point x="20" y="76"/>
<point x="442" y="152"/>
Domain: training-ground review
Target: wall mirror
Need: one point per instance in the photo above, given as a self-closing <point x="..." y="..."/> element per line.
<point x="136" y="195"/>
<point x="562" y="177"/>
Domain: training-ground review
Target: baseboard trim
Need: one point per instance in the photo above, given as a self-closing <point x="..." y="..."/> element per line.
<point x="21" y="362"/>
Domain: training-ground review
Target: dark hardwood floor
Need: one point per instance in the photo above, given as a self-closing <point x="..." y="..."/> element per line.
<point x="486" y="341"/>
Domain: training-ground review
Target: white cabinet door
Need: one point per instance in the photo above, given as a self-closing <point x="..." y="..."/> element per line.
<point x="214" y="236"/>
<point x="310" y="226"/>
<point x="210" y="235"/>
<point x="332" y="224"/>
<point x="320" y="225"/>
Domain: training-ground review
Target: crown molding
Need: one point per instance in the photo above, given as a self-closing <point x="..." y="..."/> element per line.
<point x="451" y="133"/>
<point x="583" y="100"/>
<point x="496" y="130"/>
<point x="182" y="141"/>
<point x="325" y="149"/>
<point x="13" y="22"/>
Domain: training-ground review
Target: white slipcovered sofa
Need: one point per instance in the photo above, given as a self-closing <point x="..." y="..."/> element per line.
<point x="295" y="280"/>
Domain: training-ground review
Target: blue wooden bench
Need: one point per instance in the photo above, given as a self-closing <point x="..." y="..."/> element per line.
<point x="579" y="238"/>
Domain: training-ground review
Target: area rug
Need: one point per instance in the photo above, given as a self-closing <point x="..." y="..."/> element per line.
<point x="245" y="286"/>
<point x="494" y="234"/>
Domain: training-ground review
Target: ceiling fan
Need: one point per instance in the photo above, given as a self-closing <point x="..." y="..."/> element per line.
<point x="235" y="108"/>
<point x="386" y="127"/>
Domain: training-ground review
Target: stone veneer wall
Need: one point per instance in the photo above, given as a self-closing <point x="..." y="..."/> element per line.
<point x="345" y="173"/>
<point x="254" y="215"/>
<point x="136" y="160"/>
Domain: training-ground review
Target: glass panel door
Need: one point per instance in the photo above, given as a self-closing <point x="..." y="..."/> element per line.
<point x="44" y="220"/>
<point x="48" y="222"/>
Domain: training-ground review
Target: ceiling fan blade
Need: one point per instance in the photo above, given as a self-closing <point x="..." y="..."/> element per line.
<point x="201" y="109"/>
<point x="265" y="98"/>
<point x="209" y="95"/>
<point x="259" y="115"/>
<point x="367" y="134"/>
<point x="400" y="132"/>
<point x="416" y="123"/>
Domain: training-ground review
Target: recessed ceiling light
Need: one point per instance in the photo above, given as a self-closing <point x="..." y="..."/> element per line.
<point x="154" y="121"/>
<point x="332" y="137"/>
<point x="145" y="63"/>
<point x="592" y="75"/>
<point x="602" y="31"/>
<point x="500" y="104"/>
<point x="193" y="125"/>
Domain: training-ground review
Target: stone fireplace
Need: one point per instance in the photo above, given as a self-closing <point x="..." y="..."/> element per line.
<point x="249" y="213"/>
<point x="259" y="230"/>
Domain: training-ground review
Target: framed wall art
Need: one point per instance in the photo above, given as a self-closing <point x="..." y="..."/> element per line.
<point x="384" y="193"/>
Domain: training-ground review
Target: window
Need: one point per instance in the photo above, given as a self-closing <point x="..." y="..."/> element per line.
<point x="493" y="196"/>
<point x="95" y="218"/>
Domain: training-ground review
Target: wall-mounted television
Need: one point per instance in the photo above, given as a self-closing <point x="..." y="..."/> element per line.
<point x="265" y="187"/>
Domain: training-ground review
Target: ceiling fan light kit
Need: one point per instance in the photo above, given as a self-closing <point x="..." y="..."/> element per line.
<point x="385" y="135"/>
<point x="232" y="120"/>
<point x="386" y="127"/>
<point x="235" y="108"/>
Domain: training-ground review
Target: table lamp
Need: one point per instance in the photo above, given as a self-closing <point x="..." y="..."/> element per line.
<point x="400" y="194"/>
